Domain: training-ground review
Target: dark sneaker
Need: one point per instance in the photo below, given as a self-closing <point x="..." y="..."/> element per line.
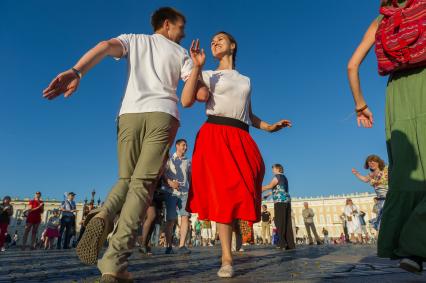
<point x="183" y="251"/>
<point x="169" y="250"/>
<point x="145" y="250"/>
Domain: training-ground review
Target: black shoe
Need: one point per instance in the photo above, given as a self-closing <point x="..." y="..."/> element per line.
<point x="169" y="250"/>
<point x="145" y="250"/>
<point x="183" y="251"/>
<point x="319" y="243"/>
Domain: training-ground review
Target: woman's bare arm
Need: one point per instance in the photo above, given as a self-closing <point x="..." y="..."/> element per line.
<point x="365" y="117"/>
<point x="260" y="124"/>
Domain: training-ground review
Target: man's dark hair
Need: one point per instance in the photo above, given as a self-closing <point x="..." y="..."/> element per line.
<point x="165" y="13"/>
<point x="179" y="141"/>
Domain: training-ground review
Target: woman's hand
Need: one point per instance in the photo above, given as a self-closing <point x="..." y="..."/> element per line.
<point x="198" y="57"/>
<point x="354" y="171"/>
<point x="365" y="118"/>
<point x="66" y="83"/>
<point x="279" y="125"/>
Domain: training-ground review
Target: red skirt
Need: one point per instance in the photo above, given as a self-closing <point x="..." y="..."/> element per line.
<point x="52" y="233"/>
<point x="227" y="175"/>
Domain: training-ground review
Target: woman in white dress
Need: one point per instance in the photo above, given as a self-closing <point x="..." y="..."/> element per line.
<point x="353" y="224"/>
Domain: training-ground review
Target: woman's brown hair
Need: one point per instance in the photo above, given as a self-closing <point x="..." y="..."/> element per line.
<point x="279" y="167"/>
<point x="374" y="158"/>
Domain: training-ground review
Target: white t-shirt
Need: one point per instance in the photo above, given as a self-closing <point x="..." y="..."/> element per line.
<point x="155" y="65"/>
<point x="230" y="94"/>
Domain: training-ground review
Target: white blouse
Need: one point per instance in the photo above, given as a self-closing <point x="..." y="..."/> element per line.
<point x="229" y="94"/>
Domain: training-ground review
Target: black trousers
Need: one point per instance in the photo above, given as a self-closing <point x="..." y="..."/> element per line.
<point x="67" y="224"/>
<point x="82" y="229"/>
<point x="283" y="223"/>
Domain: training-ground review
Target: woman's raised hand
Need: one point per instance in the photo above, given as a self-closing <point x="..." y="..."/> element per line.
<point x="365" y="118"/>
<point x="66" y="83"/>
<point x="198" y="57"/>
<point x="279" y="125"/>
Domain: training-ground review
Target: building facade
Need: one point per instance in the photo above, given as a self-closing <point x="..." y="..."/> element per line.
<point x="18" y="220"/>
<point x="328" y="211"/>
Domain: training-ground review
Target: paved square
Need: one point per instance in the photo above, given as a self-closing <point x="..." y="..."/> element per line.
<point x="346" y="263"/>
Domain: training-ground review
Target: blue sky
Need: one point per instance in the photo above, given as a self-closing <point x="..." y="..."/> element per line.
<point x="294" y="52"/>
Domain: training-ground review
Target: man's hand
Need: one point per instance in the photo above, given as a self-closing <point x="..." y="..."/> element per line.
<point x="174" y="184"/>
<point x="66" y="83"/>
<point x="279" y="125"/>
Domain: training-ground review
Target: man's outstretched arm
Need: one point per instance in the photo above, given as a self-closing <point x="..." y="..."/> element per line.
<point x="67" y="82"/>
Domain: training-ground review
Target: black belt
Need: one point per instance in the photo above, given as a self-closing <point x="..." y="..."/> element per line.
<point x="228" y="122"/>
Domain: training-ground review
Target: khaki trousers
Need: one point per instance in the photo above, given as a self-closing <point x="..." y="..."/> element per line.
<point x="309" y="227"/>
<point x="266" y="232"/>
<point x="143" y="142"/>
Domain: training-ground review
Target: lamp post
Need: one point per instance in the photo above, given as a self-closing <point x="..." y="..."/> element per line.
<point x="92" y="199"/>
<point x="93" y="195"/>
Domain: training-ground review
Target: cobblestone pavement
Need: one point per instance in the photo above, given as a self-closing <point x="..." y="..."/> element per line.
<point x="351" y="263"/>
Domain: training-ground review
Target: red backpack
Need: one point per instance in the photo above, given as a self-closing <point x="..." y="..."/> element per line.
<point x="401" y="36"/>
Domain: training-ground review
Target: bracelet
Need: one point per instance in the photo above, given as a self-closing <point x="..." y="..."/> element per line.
<point x="361" y="109"/>
<point x="77" y="72"/>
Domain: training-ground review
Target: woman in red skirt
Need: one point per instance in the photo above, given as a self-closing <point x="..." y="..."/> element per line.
<point x="36" y="208"/>
<point x="227" y="167"/>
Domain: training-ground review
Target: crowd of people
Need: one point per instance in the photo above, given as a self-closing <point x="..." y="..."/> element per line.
<point x="60" y="232"/>
<point x="60" y="229"/>
<point x="223" y="182"/>
<point x="168" y="223"/>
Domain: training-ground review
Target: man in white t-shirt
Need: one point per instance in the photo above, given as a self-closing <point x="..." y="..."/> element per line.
<point x="147" y="125"/>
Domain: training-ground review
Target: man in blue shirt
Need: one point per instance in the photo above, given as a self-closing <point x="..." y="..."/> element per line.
<point x="68" y="209"/>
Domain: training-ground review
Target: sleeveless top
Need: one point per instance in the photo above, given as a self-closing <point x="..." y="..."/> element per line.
<point x="280" y="191"/>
